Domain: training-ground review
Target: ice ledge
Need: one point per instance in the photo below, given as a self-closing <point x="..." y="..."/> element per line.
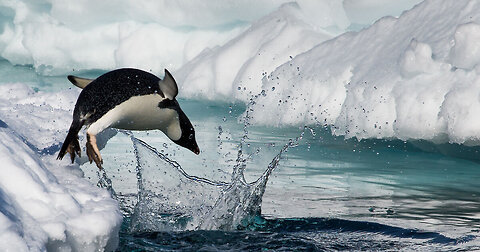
<point x="48" y="205"/>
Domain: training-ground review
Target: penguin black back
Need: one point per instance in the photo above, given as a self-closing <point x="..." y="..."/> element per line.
<point x="113" y="88"/>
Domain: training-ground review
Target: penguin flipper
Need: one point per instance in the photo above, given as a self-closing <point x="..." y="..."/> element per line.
<point x="168" y="86"/>
<point x="78" y="81"/>
<point x="71" y="144"/>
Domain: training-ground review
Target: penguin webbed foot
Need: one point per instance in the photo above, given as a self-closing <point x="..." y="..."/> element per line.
<point x="74" y="148"/>
<point x="93" y="152"/>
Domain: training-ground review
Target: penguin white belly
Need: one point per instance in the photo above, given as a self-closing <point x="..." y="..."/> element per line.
<point x="139" y="113"/>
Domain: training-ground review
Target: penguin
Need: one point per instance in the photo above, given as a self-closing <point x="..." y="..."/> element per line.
<point x="129" y="99"/>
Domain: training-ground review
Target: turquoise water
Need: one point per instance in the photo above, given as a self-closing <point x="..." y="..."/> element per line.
<point x="327" y="192"/>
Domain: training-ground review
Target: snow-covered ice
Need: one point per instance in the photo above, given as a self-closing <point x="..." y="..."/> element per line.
<point x="412" y="76"/>
<point x="46" y="204"/>
<point x="57" y="36"/>
<point x="236" y="68"/>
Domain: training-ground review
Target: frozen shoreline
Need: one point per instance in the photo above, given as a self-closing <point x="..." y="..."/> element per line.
<point x="47" y="204"/>
<point x="399" y="78"/>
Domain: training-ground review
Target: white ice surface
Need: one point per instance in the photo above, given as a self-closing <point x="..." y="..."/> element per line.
<point x="412" y="77"/>
<point x="57" y="36"/>
<point x="46" y="204"/>
<point x="235" y="70"/>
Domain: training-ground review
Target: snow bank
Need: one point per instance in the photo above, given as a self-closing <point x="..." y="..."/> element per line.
<point x="412" y="77"/>
<point x="45" y="204"/>
<point x="236" y="69"/>
<point x="57" y="36"/>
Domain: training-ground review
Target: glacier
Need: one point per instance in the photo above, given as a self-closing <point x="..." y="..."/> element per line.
<point x="413" y="75"/>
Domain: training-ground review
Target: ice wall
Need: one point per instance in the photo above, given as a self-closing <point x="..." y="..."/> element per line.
<point x="46" y="204"/>
<point x="412" y="77"/>
<point x="58" y="36"/>
<point x="237" y="68"/>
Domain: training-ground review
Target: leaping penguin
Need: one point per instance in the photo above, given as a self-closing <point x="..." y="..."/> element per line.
<point x="128" y="99"/>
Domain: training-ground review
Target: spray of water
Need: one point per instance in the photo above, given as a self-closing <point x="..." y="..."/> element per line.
<point x="169" y="199"/>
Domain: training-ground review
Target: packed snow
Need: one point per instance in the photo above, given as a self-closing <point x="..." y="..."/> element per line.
<point x="44" y="203"/>
<point x="413" y="75"/>
<point x="242" y="62"/>
<point x="57" y="36"/>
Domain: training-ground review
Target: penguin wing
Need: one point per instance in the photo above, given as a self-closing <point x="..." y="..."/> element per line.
<point x="78" y="81"/>
<point x="168" y="86"/>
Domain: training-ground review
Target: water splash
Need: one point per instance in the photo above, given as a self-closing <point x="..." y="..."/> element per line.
<point x="105" y="182"/>
<point x="169" y="199"/>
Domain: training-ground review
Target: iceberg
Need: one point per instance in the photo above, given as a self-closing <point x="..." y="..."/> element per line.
<point x="235" y="69"/>
<point x="411" y="77"/>
<point x="56" y="37"/>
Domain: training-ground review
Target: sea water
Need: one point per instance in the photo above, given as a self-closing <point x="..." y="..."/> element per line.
<point x="288" y="189"/>
<point x="285" y="188"/>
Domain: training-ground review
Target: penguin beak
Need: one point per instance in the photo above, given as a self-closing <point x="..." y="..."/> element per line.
<point x="196" y="150"/>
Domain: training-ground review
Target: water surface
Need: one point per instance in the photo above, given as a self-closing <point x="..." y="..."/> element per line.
<point x="327" y="193"/>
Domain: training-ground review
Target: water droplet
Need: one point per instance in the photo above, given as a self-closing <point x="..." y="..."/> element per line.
<point x="273" y="88"/>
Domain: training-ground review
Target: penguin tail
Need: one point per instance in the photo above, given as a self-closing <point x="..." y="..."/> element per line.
<point x="71" y="144"/>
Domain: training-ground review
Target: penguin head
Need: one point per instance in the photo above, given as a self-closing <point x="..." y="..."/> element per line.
<point x="169" y="88"/>
<point x="187" y="138"/>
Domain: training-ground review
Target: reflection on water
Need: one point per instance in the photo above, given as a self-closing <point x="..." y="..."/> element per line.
<point x="299" y="234"/>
